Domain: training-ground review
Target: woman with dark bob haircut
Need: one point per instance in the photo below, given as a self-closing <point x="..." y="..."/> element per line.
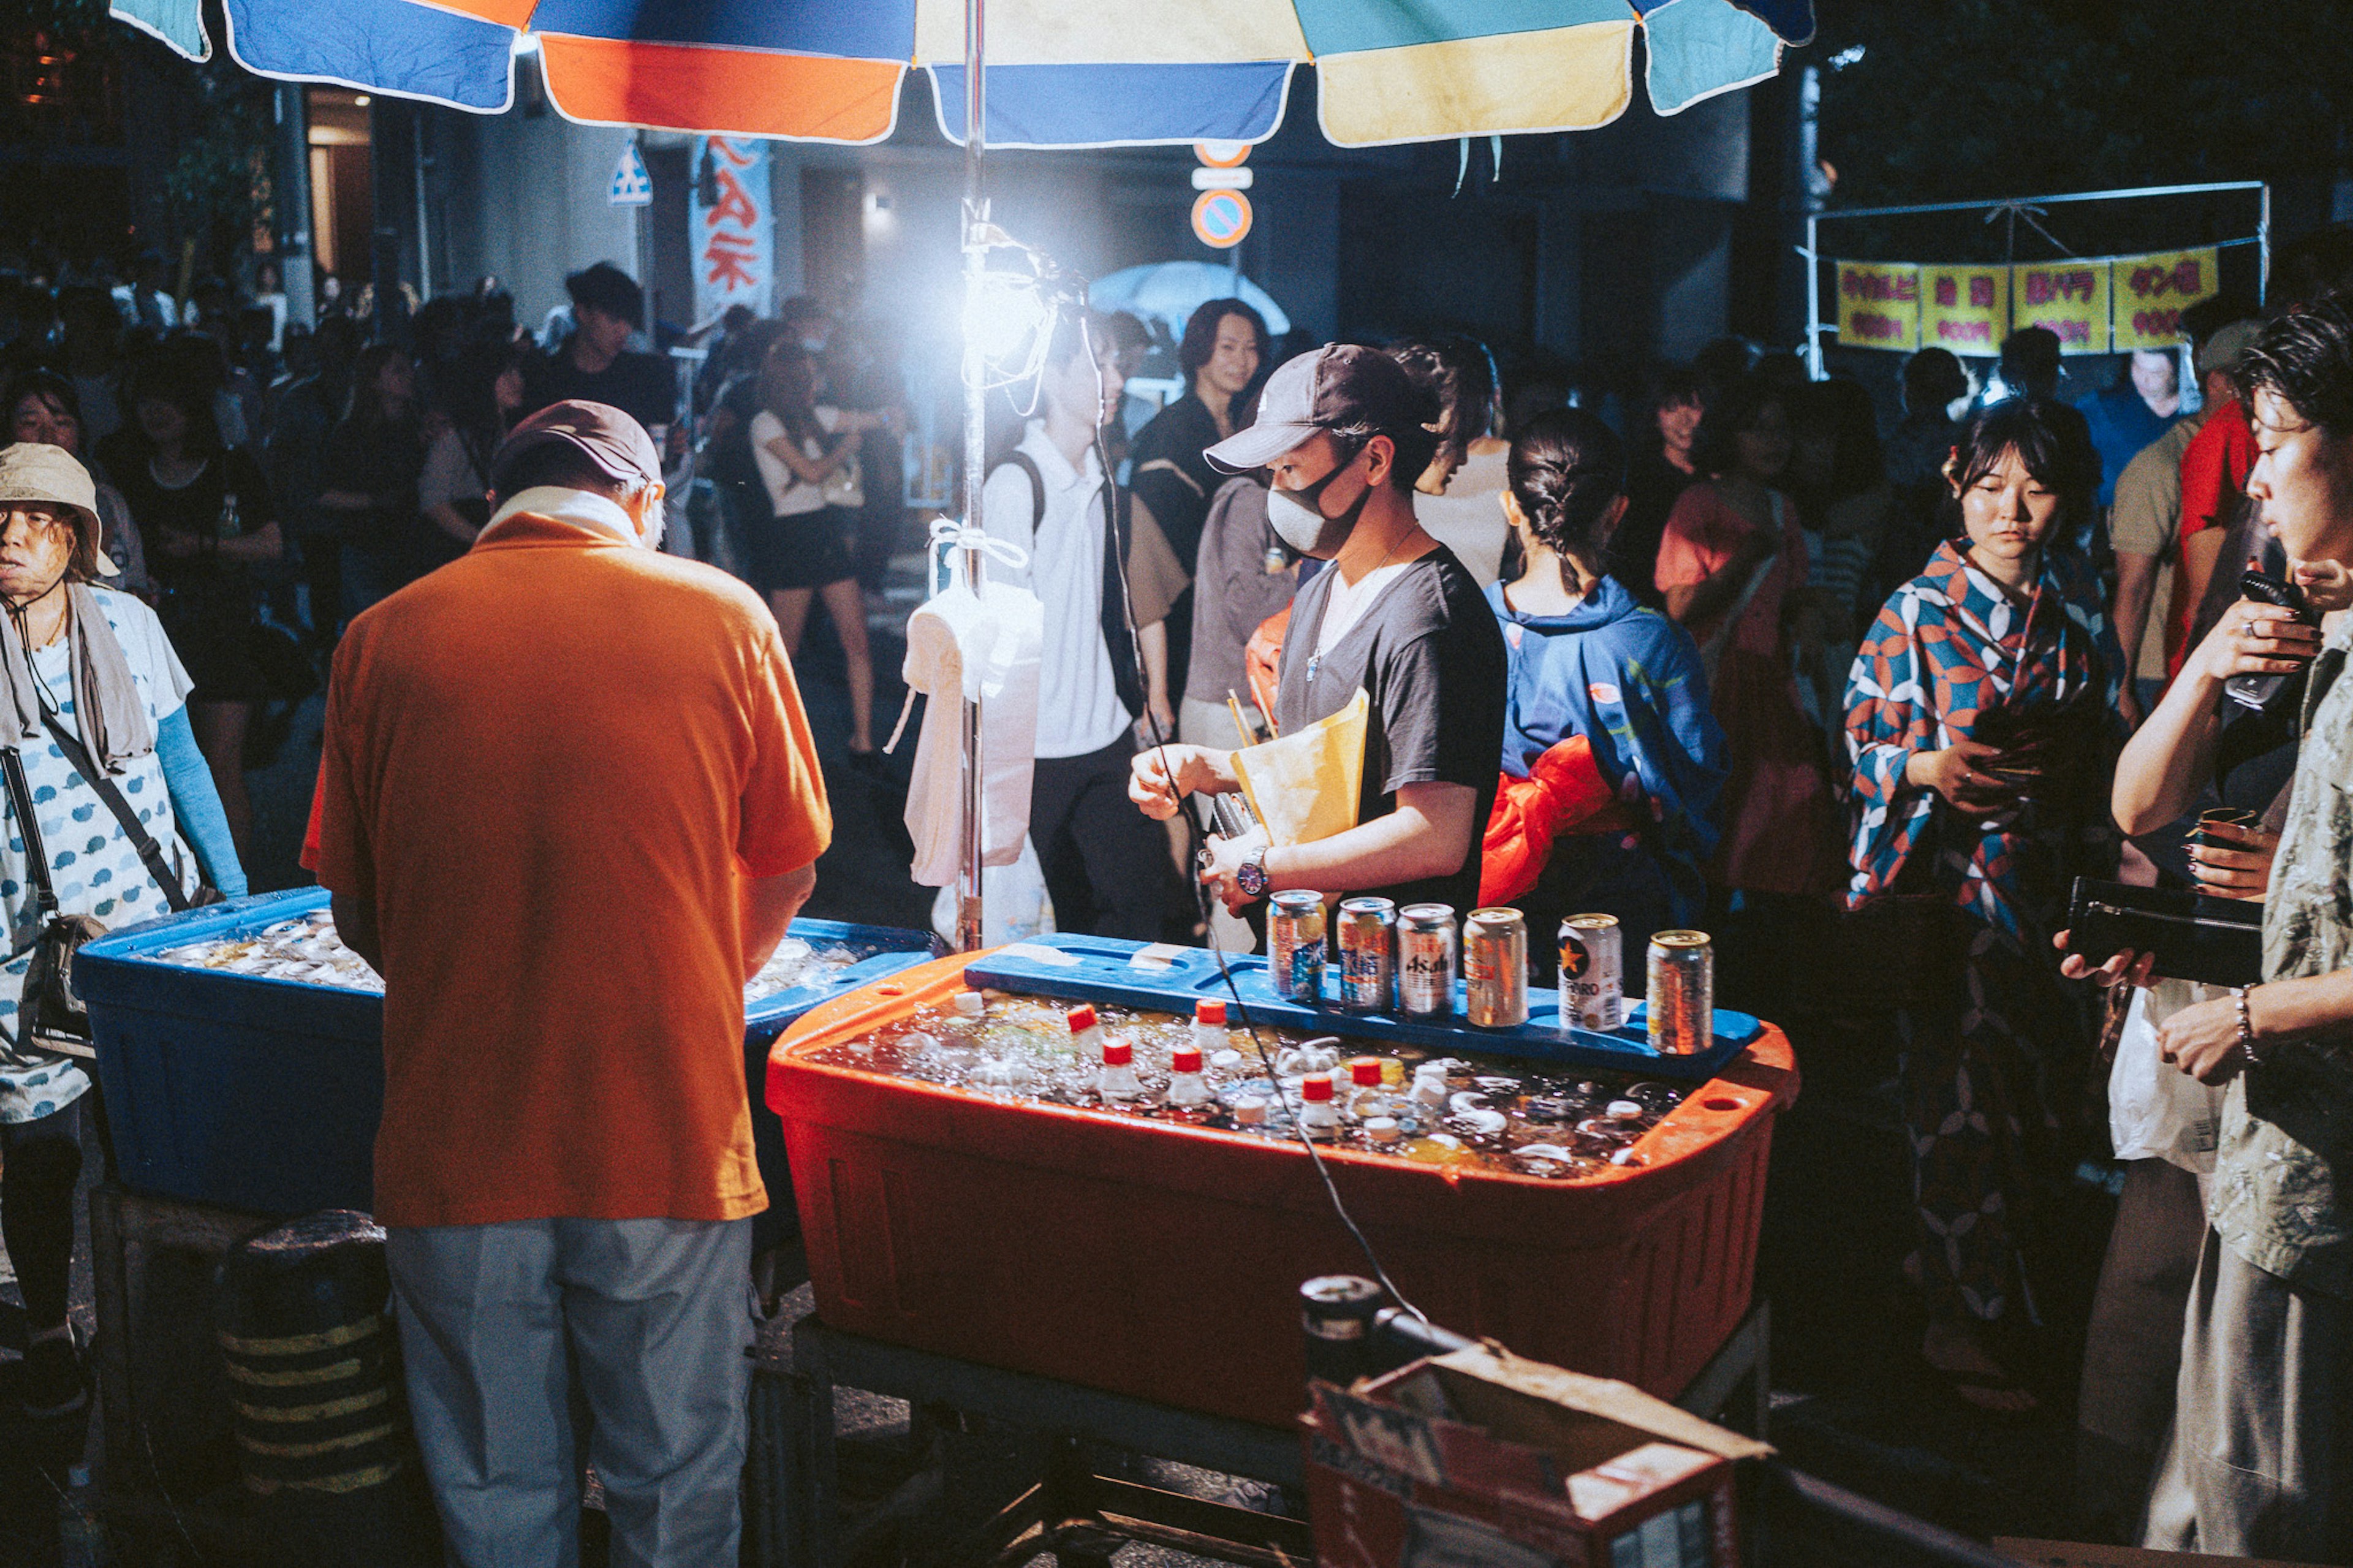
<point x="1981" y="719"/>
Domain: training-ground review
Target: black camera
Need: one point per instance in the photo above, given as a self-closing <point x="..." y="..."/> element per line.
<point x="2259" y="692"/>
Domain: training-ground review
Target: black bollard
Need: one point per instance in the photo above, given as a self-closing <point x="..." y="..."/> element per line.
<point x="304" y="1321"/>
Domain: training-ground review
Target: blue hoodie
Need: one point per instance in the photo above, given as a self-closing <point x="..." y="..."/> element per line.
<point x="1630" y="682"/>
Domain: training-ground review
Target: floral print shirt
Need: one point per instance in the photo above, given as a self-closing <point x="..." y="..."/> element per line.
<point x="1948" y="648"/>
<point x="2287" y="1125"/>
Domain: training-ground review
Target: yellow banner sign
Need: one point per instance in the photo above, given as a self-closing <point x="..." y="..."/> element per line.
<point x="1965" y="309"/>
<point x="2071" y="298"/>
<point x="1879" y="305"/>
<point x="2151" y="291"/>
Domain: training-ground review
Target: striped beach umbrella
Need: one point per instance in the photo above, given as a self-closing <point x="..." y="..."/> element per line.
<point x="1059" y="73"/>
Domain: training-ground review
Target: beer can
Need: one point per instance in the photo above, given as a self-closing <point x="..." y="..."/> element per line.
<point x="1495" y="968"/>
<point x="1592" y="974"/>
<point x="1681" y="993"/>
<point x="1426" y="960"/>
<point x="1296" y="944"/>
<point x="1367" y="954"/>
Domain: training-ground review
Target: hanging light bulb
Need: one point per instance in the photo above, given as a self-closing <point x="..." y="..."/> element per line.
<point x="1005" y="319"/>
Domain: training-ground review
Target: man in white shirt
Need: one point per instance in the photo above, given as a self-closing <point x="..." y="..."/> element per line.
<point x="1107" y="869"/>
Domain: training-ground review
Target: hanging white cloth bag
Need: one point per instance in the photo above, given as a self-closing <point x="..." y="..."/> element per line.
<point x="987" y="646"/>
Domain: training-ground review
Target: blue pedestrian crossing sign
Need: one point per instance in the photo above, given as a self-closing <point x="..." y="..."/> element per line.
<point x="632" y="186"/>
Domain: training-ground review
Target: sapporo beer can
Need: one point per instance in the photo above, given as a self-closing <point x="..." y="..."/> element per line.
<point x="1426" y="960"/>
<point x="1367" y="954"/>
<point x="1295" y="941"/>
<point x="1592" y="974"/>
<point x="1680" y="997"/>
<point x="1495" y="968"/>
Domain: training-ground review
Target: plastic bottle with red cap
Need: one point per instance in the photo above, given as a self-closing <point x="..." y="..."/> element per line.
<point x="1319" y="1109"/>
<point x="1118" y="1084"/>
<point x="1210" y="1025"/>
<point x="1190" y="1096"/>
<point x="1368" y="1095"/>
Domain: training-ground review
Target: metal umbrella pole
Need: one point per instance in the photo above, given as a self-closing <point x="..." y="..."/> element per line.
<point x="968" y="926"/>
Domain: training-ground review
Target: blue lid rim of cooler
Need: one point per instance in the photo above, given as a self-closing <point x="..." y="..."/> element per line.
<point x="1106" y="969"/>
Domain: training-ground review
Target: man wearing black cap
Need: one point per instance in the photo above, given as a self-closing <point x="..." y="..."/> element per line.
<point x="597" y="365"/>
<point x="1344" y="434"/>
<point x="568" y="805"/>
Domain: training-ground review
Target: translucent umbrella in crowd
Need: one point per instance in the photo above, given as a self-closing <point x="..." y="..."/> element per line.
<point x="1023" y="73"/>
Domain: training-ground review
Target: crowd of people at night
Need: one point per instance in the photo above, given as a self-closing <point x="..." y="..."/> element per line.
<point x="1860" y="696"/>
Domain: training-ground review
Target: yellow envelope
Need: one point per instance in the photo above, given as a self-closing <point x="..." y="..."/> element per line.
<point x="1304" y="785"/>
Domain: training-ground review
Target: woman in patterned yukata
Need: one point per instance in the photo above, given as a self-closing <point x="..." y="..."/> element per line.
<point x="2001" y="639"/>
<point x="100" y="662"/>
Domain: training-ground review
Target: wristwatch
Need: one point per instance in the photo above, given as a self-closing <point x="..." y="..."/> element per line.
<point x="1251" y="874"/>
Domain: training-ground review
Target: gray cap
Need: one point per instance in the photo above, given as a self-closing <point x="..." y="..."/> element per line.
<point x="607" y="437"/>
<point x="2226" y="346"/>
<point x="1329" y="388"/>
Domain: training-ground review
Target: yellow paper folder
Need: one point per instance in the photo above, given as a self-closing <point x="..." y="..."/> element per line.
<point x="1305" y="786"/>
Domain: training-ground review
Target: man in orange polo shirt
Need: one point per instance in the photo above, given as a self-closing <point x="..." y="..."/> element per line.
<point x="568" y="806"/>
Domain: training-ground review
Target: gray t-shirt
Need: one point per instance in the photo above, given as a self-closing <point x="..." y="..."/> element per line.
<point x="1430" y="657"/>
<point x="1233" y="592"/>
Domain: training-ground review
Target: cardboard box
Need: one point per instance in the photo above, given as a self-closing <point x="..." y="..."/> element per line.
<point x="1481" y="1458"/>
<point x="2083" y="1554"/>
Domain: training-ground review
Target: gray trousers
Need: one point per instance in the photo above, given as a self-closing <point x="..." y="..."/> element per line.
<point x="635" y="1329"/>
<point x="2260" y="1460"/>
<point x="2132" y="1352"/>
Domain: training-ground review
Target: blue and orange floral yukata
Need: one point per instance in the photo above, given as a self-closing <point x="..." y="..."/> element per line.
<point x="1990" y="1082"/>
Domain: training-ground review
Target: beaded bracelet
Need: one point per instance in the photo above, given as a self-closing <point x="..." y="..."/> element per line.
<point x="2246" y="1027"/>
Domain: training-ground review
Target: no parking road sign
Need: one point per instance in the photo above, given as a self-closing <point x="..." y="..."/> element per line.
<point x="1221" y="219"/>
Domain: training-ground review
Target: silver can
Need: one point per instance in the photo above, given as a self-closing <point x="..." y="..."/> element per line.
<point x="1426" y="960"/>
<point x="1592" y="974"/>
<point x="1495" y="968"/>
<point x="1679" y="996"/>
<point x="1367" y="954"/>
<point x="1295" y="946"/>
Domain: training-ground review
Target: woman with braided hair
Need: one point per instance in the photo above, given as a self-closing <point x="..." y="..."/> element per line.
<point x="1612" y="761"/>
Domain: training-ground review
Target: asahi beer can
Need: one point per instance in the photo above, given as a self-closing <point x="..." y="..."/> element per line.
<point x="1592" y="974"/>
<point x="1295" y="943"/>
<point x="1495" y="968"/>
<point x="1367" y="954"/>
<point x="1426" y="960"/>
<point x="1680" y="995"/>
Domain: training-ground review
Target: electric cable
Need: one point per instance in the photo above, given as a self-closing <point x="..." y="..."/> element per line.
<point x="1195" y="837"/>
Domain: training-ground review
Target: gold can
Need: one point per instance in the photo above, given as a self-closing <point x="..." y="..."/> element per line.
<point x="1495" y="968"/>
<point x="1681" y="993"/>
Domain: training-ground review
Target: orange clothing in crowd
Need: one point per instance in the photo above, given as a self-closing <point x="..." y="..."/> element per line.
<point x="550" y="765"/>
<point x="2214" y="482"/>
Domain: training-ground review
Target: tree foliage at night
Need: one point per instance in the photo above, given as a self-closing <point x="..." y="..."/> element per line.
<point x="1964" y="99"/>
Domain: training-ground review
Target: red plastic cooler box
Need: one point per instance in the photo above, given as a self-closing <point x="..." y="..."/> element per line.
<point x="1163" y="1261"/>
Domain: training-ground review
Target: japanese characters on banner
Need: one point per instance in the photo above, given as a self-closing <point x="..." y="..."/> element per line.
<point x="733" y="237"/>
<point x="1879" y="305"/>
<point x="2151" y="292"/>
<point x="2102" y="305"/>
<point x="2071" y="298"/>
<point x="1964" y="308"/>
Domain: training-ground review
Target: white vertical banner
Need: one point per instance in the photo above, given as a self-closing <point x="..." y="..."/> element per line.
<point x="733" y="235"/>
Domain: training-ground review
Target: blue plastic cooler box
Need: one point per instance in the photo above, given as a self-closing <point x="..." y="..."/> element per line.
<point x="264" y="1095"/>
<point x="1105" y="969"/>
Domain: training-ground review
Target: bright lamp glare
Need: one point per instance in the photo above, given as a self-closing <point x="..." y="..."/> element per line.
<point x="1003" y="315"/>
